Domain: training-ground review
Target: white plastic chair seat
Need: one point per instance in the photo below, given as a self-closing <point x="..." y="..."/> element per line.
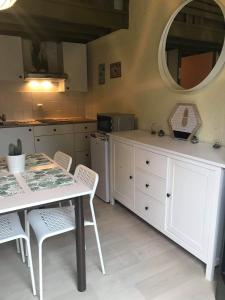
<point x="53" y="221"/>
<point x="10" y="228"/>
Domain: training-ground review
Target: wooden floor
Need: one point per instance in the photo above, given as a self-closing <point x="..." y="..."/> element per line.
<point x="140" y="263"/>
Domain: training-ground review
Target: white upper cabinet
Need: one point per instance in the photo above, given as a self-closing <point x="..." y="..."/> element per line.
<point x="11" y="58"/>
<point x="75" y="66"/>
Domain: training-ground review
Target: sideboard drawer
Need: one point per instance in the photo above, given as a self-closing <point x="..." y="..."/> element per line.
<point x="150" y="210"/>
<point x="151" y="162"/>
<point x="151" y="185"/>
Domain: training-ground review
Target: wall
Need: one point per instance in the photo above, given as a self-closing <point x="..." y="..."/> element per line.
<point x="141" y="89"/>
<point x="23" y="105"/>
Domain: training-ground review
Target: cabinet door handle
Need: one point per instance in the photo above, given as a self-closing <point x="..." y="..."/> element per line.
<point x="86" y="136"/>
<point x="54" y="129"/>
<point x="131" y="177"/>
<point x="147" y="162"/>
<point x="168" y="195"/>
<point x="38" y="140"/>
<point x="146" y="207"/>
<point x="87" y="155"/>
<point x="147" y="185"/>
<point x="30" y="129"/>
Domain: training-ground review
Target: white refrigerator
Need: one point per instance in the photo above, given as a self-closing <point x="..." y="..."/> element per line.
<point x="100" y="163"/>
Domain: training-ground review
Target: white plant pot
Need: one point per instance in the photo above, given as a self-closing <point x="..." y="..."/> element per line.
<point x="16" y="164"/>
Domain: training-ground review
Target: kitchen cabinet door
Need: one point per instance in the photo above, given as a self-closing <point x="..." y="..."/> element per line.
<point x="11" y="58"/>
<point x="52" y="143"/>
<point x="10" y="135"/>
<point x="83" y="158"/>
<point x="188" y="206"/>
<point x="75" y="66"/>
<point x="123" y="173"/>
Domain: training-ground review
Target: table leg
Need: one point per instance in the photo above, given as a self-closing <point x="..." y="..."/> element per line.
<point x="80" y="245"/>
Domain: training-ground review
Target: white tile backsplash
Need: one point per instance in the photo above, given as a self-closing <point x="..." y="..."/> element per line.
<point x="23" y="106"/>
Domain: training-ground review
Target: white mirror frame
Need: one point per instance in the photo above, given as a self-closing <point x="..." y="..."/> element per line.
<point x="163" y="68"/>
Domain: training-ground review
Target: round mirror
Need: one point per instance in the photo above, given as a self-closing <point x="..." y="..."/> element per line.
<point x="191" y="49"/>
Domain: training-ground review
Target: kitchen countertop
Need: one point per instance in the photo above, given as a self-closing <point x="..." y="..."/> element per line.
<point x="46" y="122"/>
<point x="202" y="152"/>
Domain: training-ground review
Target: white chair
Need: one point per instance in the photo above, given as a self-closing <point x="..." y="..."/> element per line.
<point x="64" y="161"/>
<point x="53" y="221"/>
<point x="11" y="229"/>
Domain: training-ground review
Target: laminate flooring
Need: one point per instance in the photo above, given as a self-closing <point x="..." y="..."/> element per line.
<point x="140" y="263"/>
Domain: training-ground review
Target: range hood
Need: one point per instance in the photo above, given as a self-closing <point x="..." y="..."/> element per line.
<point x="45" y="76"/>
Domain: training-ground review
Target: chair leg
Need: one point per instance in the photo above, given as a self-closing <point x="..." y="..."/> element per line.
<point x="40" y="271"/>
<point x="26" y="230"/>
<point x="22" y="250"/>
<point x="17" y="247"/>
<point x="31" y="267"/>
<point x="97" y="238"/>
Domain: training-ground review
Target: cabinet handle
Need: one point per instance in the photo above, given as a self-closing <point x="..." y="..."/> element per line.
<point x="86" y="136"/>
<point x="85" y="127"/>
<point x="20" y="76"/>
<point x="147" y="162"/>
<point x="38" y="140"/>
<point x="131" y="177"/>
<point x="146" y="207"/>
<point x="67" y="88"/>
<point x="147" y="185"/>
<point x="54" y="129"/>
<point x="29" y="129"/>
<point x="168" y="195"/>
<point x="87" y="155"/>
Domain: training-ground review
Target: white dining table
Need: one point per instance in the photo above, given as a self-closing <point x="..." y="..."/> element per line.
<point x="28" y="198"/>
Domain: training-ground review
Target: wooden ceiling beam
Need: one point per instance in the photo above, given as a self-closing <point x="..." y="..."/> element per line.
<point x="72" y="13"/>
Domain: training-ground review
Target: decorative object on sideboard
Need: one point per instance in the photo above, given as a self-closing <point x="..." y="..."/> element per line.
<point x="184" y="121"/>
<point x="16" y="159"/>
<point x="154" y="128"/>
<point x="5" y="4"/>
<point x="217" y="145"/>
<point x="115" y="70"/>
<point x="161" y="133"/>
<point x="195" y="139"/>
<point x="101" y="74"/>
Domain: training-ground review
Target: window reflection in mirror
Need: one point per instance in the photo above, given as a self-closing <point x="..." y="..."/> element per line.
<point x="194" y="42"/>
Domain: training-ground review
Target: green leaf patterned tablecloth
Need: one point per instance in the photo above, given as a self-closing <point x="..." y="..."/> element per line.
<point x="9" y="186"/>
<point x="47" y="179"/>
<point x="36" y="159"/>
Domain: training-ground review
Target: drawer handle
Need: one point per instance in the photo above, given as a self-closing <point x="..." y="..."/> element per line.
<point x="85" y="127"/>
<point x="87" y="155"/>
<point x="146" y="207"/>
<point x="131" y="177"/>
<point x="168" y="195"/>
<point x="147" y="162"/>
<point x="86" y="136"/>
<point x="29" y="129"/>
<point x="54" y="129"/>
<point x="147" y="185"/>
<point x="38" y="140"/>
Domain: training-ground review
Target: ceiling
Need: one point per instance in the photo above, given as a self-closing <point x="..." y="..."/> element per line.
<point x="78" y="21"/>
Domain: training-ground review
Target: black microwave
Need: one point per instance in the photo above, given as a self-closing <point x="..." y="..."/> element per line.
<point x="108" y="122"/>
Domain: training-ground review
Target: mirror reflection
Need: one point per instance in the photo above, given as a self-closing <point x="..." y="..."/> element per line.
<point x="194" y="42"/>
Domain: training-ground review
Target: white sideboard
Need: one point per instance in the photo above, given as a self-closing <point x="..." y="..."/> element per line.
<point x="175" y="186"/>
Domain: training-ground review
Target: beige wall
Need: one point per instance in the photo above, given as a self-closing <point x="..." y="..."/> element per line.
<point x="23" y="105"/>
<point x="141" y="89"/>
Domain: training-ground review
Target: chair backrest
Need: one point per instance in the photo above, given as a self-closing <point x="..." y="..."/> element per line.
<point x="88" y="177"/>
<point x="63" y="159"/>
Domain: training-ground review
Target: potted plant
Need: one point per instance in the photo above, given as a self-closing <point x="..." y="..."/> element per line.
<point x="15" y="159"/>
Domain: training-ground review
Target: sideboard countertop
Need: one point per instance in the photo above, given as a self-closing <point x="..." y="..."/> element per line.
<point x="202" y="152"/>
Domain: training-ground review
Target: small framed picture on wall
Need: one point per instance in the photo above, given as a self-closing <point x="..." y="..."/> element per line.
<point x="101" y="74"/>
<point x="115" y="70"/>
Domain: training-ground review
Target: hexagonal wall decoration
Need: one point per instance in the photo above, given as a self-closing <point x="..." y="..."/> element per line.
<point x="184" y="121"/>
